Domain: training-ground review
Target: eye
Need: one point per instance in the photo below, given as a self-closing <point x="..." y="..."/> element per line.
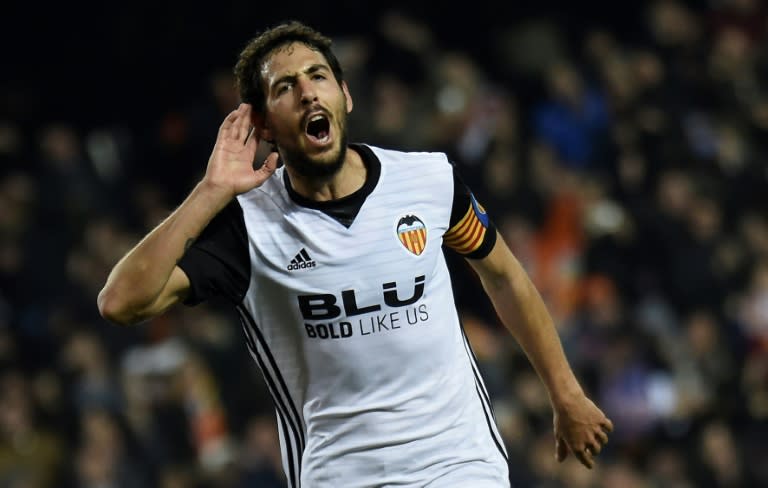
<point x="283" y="87"/>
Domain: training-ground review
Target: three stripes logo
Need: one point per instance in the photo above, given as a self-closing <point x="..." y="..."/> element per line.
<point x="412" y="234"/>
<point x="301" y="261"/>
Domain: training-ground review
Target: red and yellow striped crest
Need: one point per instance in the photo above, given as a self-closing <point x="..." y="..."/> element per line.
<point x="412" y="234"/>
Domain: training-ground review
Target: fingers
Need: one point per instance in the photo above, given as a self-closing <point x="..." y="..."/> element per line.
<point x="561" y="450"/>
<point x="242" y="123"/>
<point x="230" y="120"/>
<point x="586" y="457"/>
<point x="594" y="448"/>
<point x="226" y="126"/>
<point x="582" y="430"/>
<point x="237" y="125"/>
<point x="598" y="440"/>
<point x="602" y="437"/>
<point x="585" y="449"/>
<point x="251" y="140"/>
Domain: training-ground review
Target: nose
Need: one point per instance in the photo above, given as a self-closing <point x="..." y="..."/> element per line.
<point x="308" y="94"/>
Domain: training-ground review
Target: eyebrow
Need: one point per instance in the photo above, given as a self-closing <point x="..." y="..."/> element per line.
<point x="310" y="70"/>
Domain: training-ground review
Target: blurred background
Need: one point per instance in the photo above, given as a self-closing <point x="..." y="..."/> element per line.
<point x="620" y="150"/>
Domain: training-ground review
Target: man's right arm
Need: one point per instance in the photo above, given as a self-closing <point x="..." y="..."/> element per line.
<point x="147" y="280"/>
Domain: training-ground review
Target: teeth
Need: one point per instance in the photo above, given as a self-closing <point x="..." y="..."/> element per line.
<point x="316" y="117"/>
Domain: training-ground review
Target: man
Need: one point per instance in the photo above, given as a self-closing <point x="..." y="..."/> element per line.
<point x="334" y="262"/>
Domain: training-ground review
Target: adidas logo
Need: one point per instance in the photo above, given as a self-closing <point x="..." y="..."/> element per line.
<point x="301" y="261"/>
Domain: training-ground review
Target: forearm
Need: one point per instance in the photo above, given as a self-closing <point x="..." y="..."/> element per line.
<point x="524" y="313"/>
<point x="140" y="277"/>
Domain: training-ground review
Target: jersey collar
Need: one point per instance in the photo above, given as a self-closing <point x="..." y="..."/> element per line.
<point x="343" y="210"/>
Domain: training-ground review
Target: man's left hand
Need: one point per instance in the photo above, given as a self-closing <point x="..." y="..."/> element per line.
<point x="580" y="428"/>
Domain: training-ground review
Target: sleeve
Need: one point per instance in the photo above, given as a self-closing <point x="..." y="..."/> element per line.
<point x="471" y="233"/>
<point x="218" y="263"/>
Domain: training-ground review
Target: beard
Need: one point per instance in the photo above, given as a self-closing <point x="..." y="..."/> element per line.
<point x="312" y="169"/>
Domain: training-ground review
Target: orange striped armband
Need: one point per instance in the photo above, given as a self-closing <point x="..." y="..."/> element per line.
<point x="469" y="233"/>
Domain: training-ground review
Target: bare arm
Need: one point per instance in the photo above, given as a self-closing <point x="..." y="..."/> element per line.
<point x="580" y="427"/>
<point x="147" y="281"/>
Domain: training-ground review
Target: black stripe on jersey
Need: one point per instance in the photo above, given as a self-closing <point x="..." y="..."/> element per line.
<point x="485" y="400"/>
<point x="276" y="370"/>
<point x="282" y="402"/>
<point x="475" y="369"/>
<point x="282" y="411"/>
<point x="498" y="442"/>
<point x="305" y="254"/>
<point x="276" y="399"/>
<point x="287" y="440"/>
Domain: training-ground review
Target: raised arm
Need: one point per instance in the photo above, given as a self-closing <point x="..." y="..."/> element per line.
<point x="147" y="280"/>
<point x="580" y="427"/>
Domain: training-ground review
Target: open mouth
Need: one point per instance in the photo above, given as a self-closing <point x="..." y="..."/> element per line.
<point x="318" y="128"/>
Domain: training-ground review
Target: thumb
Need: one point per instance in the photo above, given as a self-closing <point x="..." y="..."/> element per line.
<point x="270" y="163"/>
<point x="561" y="450"/>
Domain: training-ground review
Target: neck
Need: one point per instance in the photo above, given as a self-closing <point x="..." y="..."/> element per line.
<point x="347" y="180"/>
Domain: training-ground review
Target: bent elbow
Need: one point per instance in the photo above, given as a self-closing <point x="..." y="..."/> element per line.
<point x="114" y="310"/>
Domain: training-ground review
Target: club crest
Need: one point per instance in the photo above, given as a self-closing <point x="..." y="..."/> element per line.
<point x="412" y="234"/>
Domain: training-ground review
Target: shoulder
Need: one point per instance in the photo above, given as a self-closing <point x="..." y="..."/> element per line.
<point x="395" y="157"/>
<point x="419" y="176"/>
<point x="412" y="164"/>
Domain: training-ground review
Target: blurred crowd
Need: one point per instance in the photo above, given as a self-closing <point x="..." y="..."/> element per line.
<point x="628" y="173"/>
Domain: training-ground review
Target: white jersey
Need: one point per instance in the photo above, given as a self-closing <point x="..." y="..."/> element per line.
<point x="348" y="310"/>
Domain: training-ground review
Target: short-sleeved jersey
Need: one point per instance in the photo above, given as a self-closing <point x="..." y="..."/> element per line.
<point x="347" y="308"/>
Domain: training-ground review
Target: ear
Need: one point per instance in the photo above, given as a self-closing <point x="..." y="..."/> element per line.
<point x="345" y="89"/>
<point x="265" y="134"/>
<point x="258" y="120"/>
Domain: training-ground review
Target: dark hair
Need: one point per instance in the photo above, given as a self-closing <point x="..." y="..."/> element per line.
<point x="248" y="67"/>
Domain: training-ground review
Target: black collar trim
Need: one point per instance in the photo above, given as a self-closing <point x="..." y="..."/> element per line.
<point x="343" y="210"/>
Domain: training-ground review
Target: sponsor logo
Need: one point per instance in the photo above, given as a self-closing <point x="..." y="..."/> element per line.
<point x="341" y="315"/>
<point x="301" y="261"/>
